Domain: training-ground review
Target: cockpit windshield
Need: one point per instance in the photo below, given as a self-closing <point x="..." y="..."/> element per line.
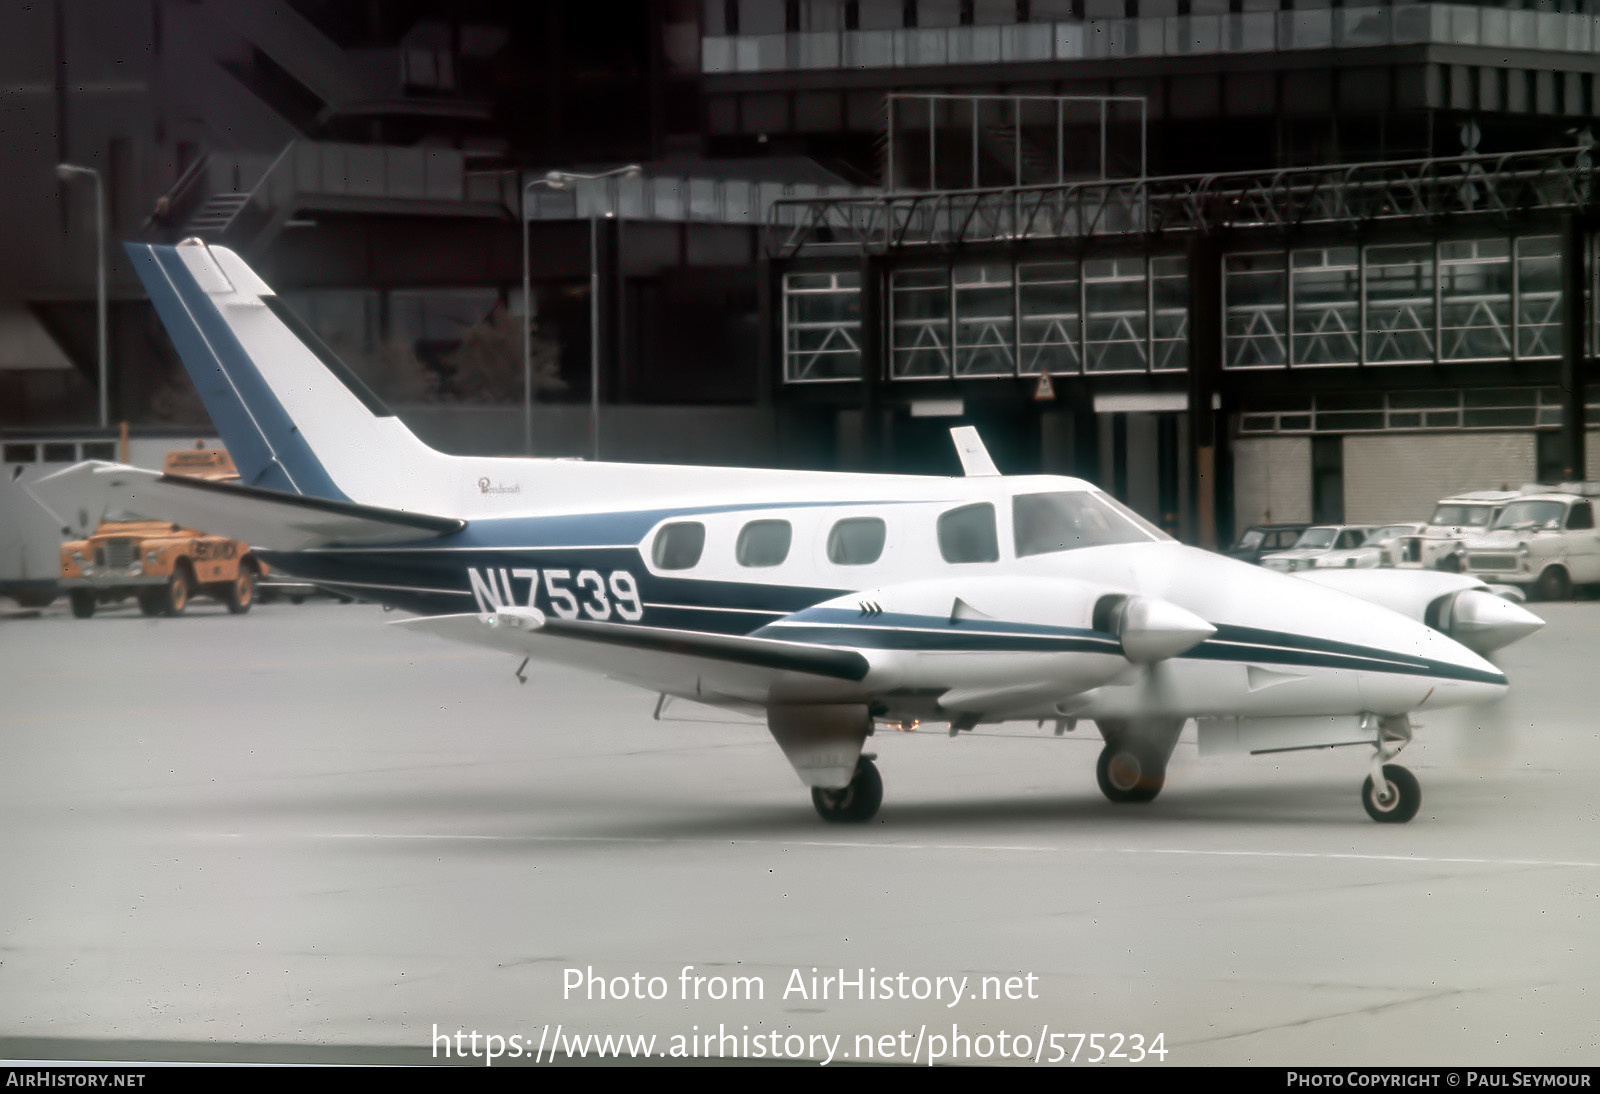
<point x="1068" y="519"/>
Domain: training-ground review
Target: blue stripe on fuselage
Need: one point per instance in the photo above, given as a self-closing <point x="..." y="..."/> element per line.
<point x="577" y="543"/>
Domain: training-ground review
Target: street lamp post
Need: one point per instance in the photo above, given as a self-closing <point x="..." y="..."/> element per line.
<point x="66" y="172"/>
<point x="561" y="180"/>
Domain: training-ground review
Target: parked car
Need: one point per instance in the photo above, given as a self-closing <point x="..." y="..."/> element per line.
<point x="1435" y="545"/>
<point x="1321" y="546"/>
<point x="159" y="564"/>
<point x="1386" y="540"/>
<point x="1263" y="539"/>
<point x="1545" y="542"/>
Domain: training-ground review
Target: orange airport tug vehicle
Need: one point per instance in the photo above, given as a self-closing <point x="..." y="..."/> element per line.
<point x="161" y="564"/>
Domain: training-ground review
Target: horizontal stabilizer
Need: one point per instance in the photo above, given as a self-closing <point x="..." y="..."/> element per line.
<point x="261" y="518"/>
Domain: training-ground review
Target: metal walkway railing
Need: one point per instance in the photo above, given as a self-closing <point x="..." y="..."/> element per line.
<point x="1424" y="190"/>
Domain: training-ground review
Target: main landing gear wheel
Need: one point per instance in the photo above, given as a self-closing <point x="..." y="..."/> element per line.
<point x="1129" y="772"/>
<point x="854" y="804"/>
<point x="1397" y="800"/>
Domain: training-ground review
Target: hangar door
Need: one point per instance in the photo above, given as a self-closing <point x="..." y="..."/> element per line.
<point x="1399" y="476"/>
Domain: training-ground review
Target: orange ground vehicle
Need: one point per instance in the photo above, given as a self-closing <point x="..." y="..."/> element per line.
<point x="161" y="563"/>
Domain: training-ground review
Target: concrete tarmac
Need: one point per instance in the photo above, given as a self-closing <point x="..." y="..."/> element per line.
<point x="301" y="834"/>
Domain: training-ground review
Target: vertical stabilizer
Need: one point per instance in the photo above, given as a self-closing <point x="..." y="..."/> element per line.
<point x="293" y="416"/>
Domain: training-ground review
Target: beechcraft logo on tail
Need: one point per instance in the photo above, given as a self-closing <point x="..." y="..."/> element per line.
<point x="486" y="486"/>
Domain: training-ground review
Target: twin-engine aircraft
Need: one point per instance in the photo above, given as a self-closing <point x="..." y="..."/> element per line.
<point x="833" y="603"/>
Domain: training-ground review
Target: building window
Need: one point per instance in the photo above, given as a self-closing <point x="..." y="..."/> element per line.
<point x="1325" y="298"/>
<point x="985" y="306"/>
<point x="1050" y="306"/>
<point x="1254" y="293"/>
<point x="1116" y="298"/>
<point x="919" y="302"/>
<point x="822" y="326"/>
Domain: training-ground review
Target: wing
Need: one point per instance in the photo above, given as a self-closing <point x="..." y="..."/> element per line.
<point x="261" y="518"/>
<point x="708" y="667"/>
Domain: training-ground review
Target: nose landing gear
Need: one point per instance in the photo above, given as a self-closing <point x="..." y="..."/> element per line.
<point x="1391" y="794"/>
<point x="1394" y="797"/>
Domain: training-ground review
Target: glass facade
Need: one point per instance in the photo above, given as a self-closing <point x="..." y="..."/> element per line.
<point x="1379" y="411"/>
<point x="1394" y="304"/>
<point x="760" y="45"/>
<point x="1118" y="314"/>
<point x="1492" y="299"/>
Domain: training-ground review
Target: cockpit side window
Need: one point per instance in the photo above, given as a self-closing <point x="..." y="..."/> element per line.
<point x="678" y="545"/>
<point x="968" y="534"/>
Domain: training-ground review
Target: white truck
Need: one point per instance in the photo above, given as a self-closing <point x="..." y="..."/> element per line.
<point x="1544" y="542"/>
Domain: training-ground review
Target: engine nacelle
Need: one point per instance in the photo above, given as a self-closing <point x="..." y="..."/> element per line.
<point x="1462" y="607"/>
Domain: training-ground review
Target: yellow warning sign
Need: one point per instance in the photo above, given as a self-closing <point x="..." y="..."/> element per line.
<point x="1044" y="390"/>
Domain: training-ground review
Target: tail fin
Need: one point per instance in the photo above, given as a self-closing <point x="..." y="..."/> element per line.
<point x="293" y="416"/>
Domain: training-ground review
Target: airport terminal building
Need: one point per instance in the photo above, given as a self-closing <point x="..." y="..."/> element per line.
<point x="1234" y="260"/>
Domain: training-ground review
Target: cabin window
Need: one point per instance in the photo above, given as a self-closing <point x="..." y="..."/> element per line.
<point x="967" y="534"/>
<point x="678" y="546"/>
<point x="857" y="541"/>
<point x="1581" y="517"/>
<point x="1067" y="519"/>
<point x="764" y="543"/>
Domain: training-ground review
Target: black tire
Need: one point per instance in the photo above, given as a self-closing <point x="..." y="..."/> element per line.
<point x="83" y="603"/>
<point x="1401" y="799"/>
<point x="856" y="803"/>
<point x="178" y="589"/>
<point x="297" y="598"/>
<point x="153" y="601"/>
<point x="1554" y="584"/>
<point x="242" y="593"/>
<point x="1129" y="773"/>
